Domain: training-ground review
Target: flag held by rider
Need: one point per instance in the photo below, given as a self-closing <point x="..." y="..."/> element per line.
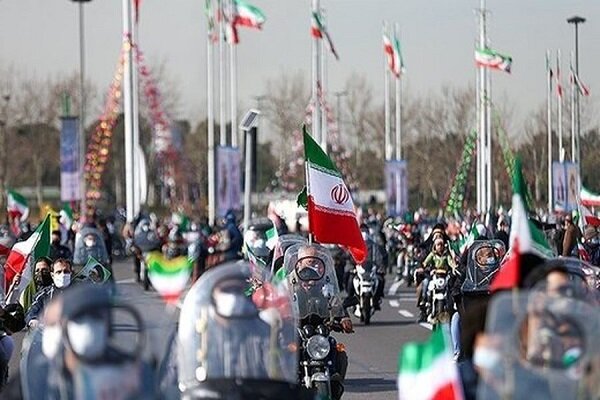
<point x="331" y="216"/>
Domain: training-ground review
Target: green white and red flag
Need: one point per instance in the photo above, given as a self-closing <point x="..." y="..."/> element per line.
<point x="17" y="205"/>
<point x="247" y="15"/>
<point x="36" y="246"/>
<point x="391" y="49"/>
<point x="492" y="59"/>
<point x="426" y="370"/>
<point x="168" y="276"/>
<point x="331" y="216"/>
<point x="583" y="89"/>
<point x="66" y="215"/>
<point x="559" y="89"/>
<point x="318" y="31"/>
<point x="588" y="198"/>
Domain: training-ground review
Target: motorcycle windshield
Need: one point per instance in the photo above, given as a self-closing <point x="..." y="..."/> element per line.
<point x="548" y="348"/>
<point x="283" y="243"/>
<point x="483" y="263"/>
<point x="229" y="330"/>
<point x="89" y="242"/>
<point x="145" y="236"/>
<point x="312" y="281"/>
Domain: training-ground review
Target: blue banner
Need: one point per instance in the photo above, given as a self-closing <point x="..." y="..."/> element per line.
<point x="69" y="159"/>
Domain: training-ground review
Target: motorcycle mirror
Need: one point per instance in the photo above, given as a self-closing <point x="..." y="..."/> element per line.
<point x="350" y="301"/>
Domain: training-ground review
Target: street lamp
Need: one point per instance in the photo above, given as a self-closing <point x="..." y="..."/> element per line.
<point x="82" y="188"/>
<point x="576" y="20"/>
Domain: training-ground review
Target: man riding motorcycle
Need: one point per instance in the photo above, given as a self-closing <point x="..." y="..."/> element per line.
<point x="375" y="260"/>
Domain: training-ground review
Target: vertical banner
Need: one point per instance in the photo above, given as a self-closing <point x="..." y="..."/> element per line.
<point x="228" y="179"/>
<point x="396" y="187"/>
<point x="565" y="185"/>
<point x="69" y="159"/>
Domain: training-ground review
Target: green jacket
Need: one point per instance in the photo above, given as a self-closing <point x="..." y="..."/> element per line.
<point x="436" y="261"/>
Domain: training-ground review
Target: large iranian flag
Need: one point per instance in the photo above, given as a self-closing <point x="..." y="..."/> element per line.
<point x="427" y="372"/>
<point x="168" y="276"/>
<point x="318" y="30"/>
<point x="248" y="15"/>
<point x="17" y="205"/>
<point x="36" y="246"/>
<point x="331" y="215"/>
<point x="492" y="59"/>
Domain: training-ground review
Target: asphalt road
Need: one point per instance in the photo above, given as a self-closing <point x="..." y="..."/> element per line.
<point x="372" y="350"/>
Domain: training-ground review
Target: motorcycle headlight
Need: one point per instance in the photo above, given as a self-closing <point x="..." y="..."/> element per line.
<point x="318" y="347"/>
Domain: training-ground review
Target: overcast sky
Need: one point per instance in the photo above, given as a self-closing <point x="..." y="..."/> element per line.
<point x="41" y="37"/>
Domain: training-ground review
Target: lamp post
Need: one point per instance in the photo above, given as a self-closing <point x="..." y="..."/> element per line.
<point x="576" y="20"/>
<point x="82" y="188"/>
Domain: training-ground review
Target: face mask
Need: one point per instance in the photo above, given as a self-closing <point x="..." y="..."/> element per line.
<point x="51" y="339"/>
<point x="62" y="280"/>
<point x="43" y="278"/>
<point x="233" y="305"/>
<point x="487" y="359"/>
<point x="88" y="337"/>
<point x="90" y="242"/>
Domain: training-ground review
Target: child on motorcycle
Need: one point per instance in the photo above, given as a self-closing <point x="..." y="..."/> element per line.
<point x="438" y="258"/>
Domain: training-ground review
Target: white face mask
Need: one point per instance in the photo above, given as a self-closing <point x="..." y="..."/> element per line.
<point x="487" y="359"/>
<point x="51" y="339"/>
<point x="88" y="336"/>
<point x="62" y="280"/>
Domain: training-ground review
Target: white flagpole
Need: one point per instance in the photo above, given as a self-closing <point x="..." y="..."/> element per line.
<point x="128" y="110"/>
<point x="386" y="94"/>
<point x="222" y="94"/>
<point x="488" y="102"/>
<point x="315" y="83"/>
<point x="549" y="123"/>
<point x="210" y="123"/>
<point x="483" y="110"/>
<point x="233" y="83"/>
<point x="561" y="150"/>
<point x="573" y="110"/>
<point x="137" y="189"/>
<point x="398" y="107"/>
<point x="479" y="142"/>
<point x="323" y="114"/>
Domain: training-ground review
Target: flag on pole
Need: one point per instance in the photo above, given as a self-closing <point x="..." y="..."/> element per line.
<point x="246" y="14"/>
<point x="388" y="49"/>
<point x="491" y="59"/>
<point x="17" y="205"/>
<point x="66" y="215"/>
<point x="210" y="18"/>
<point x="588" y="198"/>
<point x="318" y="30"/>
<point x="525" y="237"/>
<point x="331" y="216"/>
<point x="136" y="6"/>
<point x="398" y="60"/>
<point x="559" y="90"/>
<point x="168" y="276"/>
<point x="587" y="218"/>
<point x="426" y="370"/>
<point x="583" y="89"/>
<point x="36" y="246"/>
<point x="231" y="32"/>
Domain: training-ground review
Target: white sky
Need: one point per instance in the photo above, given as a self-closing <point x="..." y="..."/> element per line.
<point x="438" y="36"/>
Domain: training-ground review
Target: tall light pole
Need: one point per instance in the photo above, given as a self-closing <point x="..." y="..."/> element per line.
<point x="576" y="20"/>
<point x="82" y="188"/>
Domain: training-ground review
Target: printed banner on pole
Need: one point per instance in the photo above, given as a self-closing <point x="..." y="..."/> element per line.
<point x="396" y="187"/>
<point x="565" y="185"/>
<point x="69" y="159"/>
<point x="228" y="179"/>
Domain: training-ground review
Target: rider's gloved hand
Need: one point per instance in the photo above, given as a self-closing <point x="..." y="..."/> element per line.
<point x="347" y="325"/>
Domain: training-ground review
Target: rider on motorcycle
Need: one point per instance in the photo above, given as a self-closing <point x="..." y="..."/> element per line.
<point x="375" y="260"/>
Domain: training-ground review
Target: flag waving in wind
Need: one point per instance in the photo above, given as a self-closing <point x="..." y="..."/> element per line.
<point x="583" y="90"/>
<point x="318" y="30"/>
<point x="246" y="14"/>
<point x="17" y="205"/>
<point x="331" y="216"/>
<point x="392" y="50"/>
<point x="492" y="59"/>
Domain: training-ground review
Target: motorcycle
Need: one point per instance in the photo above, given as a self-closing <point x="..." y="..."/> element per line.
<point x="89" y="242"/>
<point x="438" y="310"/>
<point x="409" y="264"/>
<point x="365" y="283"/>
<point x="313" y="282"/>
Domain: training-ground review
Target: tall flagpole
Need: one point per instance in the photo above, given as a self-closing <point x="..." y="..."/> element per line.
<point x="315" y="78"/>
<point x="483" y="110"/>
<point x="128" y="109"/>
<point x="549" y="126"/>
<point x="573" y="112"/>
<point x="386" y="94"/>
<point x="488" y="130"/>
<point x="233" y="83"/>
<point x="561" y="149"/>
<point x="479" y="142"/>
<point x="398" y="106"/>
<point x="81" y="132"/>
<point x="210" y="122"/>
<point x="222" y="117"/>
<point x="323" y="131"/>
<point x="137" y="190"/>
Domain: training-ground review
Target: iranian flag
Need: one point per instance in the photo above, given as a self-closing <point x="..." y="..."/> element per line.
<point x="36" y="246"/>
<point x="17" y="205"/>
<point x="66" y="216"/>
<point x="583" y="89"/>
<point x="168" y="276"/>
<point x="525" y="237"/>
<point x="319" y="31"/>
<point x="272" y="236"/>
<point x="388" y="49"/>
<point x="587" y="218"/>
<point x="331" y="215"/>
<point x="248" y="15"/>
<point x="427" y="372"/>
<point x="492" y="59"/>
<point x="588" y="198"/>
